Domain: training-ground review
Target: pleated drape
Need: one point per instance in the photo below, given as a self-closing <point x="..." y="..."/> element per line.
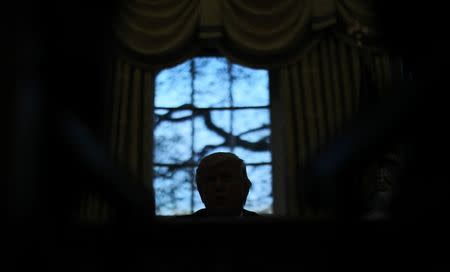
<point x="255" y="33"/>
<point x="157" y="27"/>
<point x="129" y="128"/>
<point x="252" y="32"/>
<point x="131" y="124"/>
<point x="316" y="74"/>
<point x="265" y="26"/>
<point x="319" y="96"/>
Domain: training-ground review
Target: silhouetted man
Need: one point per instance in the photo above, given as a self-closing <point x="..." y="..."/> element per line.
<point x="223" y="185"/>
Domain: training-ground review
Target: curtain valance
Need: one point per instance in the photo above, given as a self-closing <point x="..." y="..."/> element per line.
<point x="257" y="33"/>
<point x="157" y="27"/>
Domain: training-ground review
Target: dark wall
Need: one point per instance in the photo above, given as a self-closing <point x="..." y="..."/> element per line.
<point x="78" y="45"/>
<point x="64" y="55"/>
<point x="415" y="31"/>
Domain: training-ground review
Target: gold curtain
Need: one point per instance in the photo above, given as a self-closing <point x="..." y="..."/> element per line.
<point x="131" y="125"/>
<point x="255" y="33"/>
<point x="266" y="32"/>
<point x="362" y="11"/>
<point x="316" y="98"/>
<point x="314" y="48"/>
<point x="263" y="33"/>
<point x="129" y="119"/>
<point x="157" y="27"/>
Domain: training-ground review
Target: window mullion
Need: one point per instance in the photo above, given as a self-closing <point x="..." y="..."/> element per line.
<point x="213" y="108"/>
<point x="232" y="140"/>
<point x="192" y="159"/>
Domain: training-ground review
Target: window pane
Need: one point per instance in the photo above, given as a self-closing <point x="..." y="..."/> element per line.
<point x="250" y="86"/>
<point x="173" y="86"/>
<point x="221" y="118"/>
<point x="199" y="156"/>
<point x="252" y="125"/>
<point x="173" y="141"/>
<point x="250" y="119"/>
<point x="158" y="115"/>
<point x="208" y="82"/>
<point x="256" y="135"/>
<point x="173" y="191"/>
<point x="250" y="156"/>
<point x="260" y="197"/>
<point x="206" y="140"/>
<point x="176" y="114"/>
<point x="161" y="111"/>
<point x="212" y="82"/>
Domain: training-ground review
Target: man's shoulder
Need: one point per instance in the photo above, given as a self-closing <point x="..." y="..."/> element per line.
<point x="203" y="212"/>
<point x="249" y="213"/>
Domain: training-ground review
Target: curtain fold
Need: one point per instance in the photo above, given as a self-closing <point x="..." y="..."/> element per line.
<point x="266" y="27"/>
<point x="324" y="14"/>
<point x="130" y="134"/>
<point x="157" y="27"/>
<point x="358" y="23"/>
<point x="317" y="55"/>
<point x="362" y="11"/>
<point x="131" y="129"/>
<point x="261" y="33"/>
<point x="319" y="96"/>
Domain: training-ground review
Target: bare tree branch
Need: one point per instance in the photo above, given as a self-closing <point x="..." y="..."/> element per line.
<point x="228" y="138"/>
<point x="210" y="124"/>
<point x="264" y="126"/>
<point x="168" y="116"/>
<point x="260" y="145"/>
<point x="207" y="148"/>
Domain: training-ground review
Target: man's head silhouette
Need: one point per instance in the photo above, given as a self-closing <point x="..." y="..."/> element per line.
<point x="223" y="184"/>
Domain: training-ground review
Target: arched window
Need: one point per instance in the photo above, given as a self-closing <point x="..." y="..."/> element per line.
<point x="207" y="105"/>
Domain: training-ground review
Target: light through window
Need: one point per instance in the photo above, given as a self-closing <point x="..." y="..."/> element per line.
<point x="207" y="105"/>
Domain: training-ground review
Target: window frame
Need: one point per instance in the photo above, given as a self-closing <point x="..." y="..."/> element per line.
<point x="279" y="200"/>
